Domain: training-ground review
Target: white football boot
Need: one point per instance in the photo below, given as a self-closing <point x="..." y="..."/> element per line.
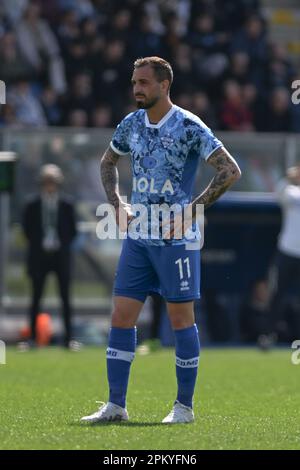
<point x="179" y="414"/>
<point x="108" y="412"/>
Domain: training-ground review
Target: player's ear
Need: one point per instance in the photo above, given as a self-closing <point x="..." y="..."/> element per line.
<point x="165" y="84"/>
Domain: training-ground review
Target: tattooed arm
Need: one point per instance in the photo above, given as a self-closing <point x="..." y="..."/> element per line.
<point x="227" y="173"/>
<point x="110" y="181"/>
<point x="110" y="176"/>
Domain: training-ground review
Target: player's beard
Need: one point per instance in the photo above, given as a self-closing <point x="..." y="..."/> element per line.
<point x="146" y="104"/>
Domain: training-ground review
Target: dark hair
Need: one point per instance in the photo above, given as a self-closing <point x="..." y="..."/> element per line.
<point x="162" y="68"/>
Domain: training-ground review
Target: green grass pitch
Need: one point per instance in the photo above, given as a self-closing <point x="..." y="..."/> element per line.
<point x="245" y="399"/>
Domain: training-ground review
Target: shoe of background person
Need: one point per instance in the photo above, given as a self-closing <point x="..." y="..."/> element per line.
<point x="24" y="346"/>
<point x="266" y="342"/>
<point x="108" y="412"/>
<point x="73" y="345"/>
<point x="179" y="414"/>
<point x="149" y="346"/>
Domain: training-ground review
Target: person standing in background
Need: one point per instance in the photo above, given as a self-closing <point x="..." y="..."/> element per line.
<point x="50" y="227"/>
<point x="287" y="265"/>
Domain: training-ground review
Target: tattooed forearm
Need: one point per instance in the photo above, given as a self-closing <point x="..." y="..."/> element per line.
<point x="110" y="176"/>
<point x="227" y="173"/>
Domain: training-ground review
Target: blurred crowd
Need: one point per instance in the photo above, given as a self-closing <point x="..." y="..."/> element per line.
<point x="69" y="62"/>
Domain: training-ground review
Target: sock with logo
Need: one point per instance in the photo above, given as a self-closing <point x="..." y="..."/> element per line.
<point x="187" y="358"/>
<point x="119" y="356"/>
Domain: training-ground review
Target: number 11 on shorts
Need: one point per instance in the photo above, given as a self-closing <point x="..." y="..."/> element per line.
<point x="180" y="267"/>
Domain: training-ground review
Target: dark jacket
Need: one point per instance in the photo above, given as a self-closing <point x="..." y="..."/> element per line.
<point x="33" y="229"/>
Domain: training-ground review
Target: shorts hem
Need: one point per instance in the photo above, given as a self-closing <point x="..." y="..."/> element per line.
<point x="130" y="294"/>
<point x="182" y="299"/>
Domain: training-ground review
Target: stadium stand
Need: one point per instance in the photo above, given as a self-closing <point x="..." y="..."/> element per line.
<point x="68" y="62"/>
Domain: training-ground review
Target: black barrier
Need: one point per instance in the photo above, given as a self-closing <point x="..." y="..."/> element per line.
<point x="241" y="233"/>
<point x="240" y="238"/>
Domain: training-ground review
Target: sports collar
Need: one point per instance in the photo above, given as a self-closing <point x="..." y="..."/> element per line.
<point x="163" y="119"/>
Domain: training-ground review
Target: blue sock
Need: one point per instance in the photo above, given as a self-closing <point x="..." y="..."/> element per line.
<point x="187" y="358"/>
<point x="119" y="356"/>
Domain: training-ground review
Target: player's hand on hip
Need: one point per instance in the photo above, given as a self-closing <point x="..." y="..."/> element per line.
<point x="177" y="227"/>
<point x="124" y="215"/>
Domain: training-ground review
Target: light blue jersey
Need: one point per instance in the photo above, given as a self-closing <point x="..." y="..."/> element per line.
<point x="164" y="156"/>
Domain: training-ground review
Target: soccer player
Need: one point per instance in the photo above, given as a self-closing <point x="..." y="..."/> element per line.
<point x="165" y="143"/>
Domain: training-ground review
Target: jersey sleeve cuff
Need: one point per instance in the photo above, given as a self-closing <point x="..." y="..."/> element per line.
<point x="114" y="148"/>
<point x="210" y="153"/>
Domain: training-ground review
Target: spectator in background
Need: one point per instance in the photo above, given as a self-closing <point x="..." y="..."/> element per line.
<point x="102" y="117"/>
<point x="49" y="226"/>
<point x="28" y="109"/>
<point x="68" y="29"/>
<point x="201" y="106"/>
<point x="121" y="25"/>
<point x="234" y="113"/>
<point x="81" y="94"/>
<point x="184" y="100"/>
<point x="77" y="118"/>
<point x="287" y="265"/>
<point x="13" y="66"/>
<point x="40" y="47"/>
<point x="145" y="42"/>
<point x="82" y="8"/>
<point x="181" y="9"/>
<point x="279" y="69"/>
<point x="172" y="37"/>
<point x="8" y="117"/>
<point x="276" y="115"/>
<point x="184" y="69"/>
<point x="77" y="59"/>
<point x="155" y="12"/>
<point x="231" y="14"/>
<point x="205" y="37"/>
<point x="209" y="47"/>
<point x="13" y="9"/>
<point x="110" y="72"/>
<point x="50" y="104"/>
<point x="90" y="36"/>
<point x="239" y="68"/>
<point x="51" y="11"/>
<point x="251" y="39"/>
<point x="250" y="97"/>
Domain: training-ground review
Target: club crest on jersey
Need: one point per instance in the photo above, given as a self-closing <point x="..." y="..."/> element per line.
<point x="143" y="185"/>
<point x="167" y="141"/>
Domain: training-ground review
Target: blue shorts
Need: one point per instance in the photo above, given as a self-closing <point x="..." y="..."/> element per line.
<point x="172" y="271"/>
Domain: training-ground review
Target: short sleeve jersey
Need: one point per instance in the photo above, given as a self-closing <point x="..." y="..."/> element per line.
<point x="164" y="156"/>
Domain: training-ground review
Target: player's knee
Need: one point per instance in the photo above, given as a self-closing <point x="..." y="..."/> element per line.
<point x="181" y="318"/>
<point x="179" y="323"/>
<point x="121" y="319"/>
